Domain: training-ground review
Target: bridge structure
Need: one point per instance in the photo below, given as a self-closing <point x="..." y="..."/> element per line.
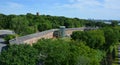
<point x="33" y="38"/>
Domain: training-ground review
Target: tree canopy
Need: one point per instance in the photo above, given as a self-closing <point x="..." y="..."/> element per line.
<point x="51" y="52"/>
<point x="19" y="55"/>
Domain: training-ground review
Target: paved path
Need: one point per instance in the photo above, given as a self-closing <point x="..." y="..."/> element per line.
<point x="3" y="33"/>
<point x="2" y="44"/>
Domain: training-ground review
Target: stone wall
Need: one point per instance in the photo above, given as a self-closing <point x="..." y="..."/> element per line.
<point x="33" y="38"/>
<point x="70" y="30"/>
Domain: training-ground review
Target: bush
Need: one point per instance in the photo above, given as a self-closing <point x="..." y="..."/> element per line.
<point x="19" y="55"/>
<point x="9" y="37"/>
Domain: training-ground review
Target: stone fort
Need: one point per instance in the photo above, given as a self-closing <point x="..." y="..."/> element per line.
<point x="33" y="38"/>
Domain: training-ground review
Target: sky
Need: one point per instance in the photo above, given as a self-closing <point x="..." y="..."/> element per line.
<point x="84" y="9"/>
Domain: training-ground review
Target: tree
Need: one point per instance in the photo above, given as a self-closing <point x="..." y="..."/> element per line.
<point x="9" y="37"/>
<point x="84" y="55"/>
<point x="19" y="55"/>
<point x="100" y="24"/>
<point x="3" y="22"/>
<point x="53" y="52"/>
<point x="90" y="23"/>
<point x="94" y="39"/>
<point x="44" y="26"/>
<point x="19" y="25"/>
<point x="61" y="52"/>
<point x="111" y="38"/>
<point x="114" y="23"/>
<point x="30" y="18"/>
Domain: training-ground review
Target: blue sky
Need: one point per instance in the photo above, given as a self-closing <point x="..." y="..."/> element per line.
<point x="85" y="9"/>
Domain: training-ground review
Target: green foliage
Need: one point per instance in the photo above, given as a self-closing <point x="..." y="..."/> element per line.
<point x="111" y="38"/>
<point x="114" y="23"/>
<point x="100" y="24"/>
<point x="19" y="55"/>
<point x="90" y="24"/>
<point x="94" y="39"/>
<point x="30" y="23"/>
<point x="3" y="21"/>
<point x="44" y="26"/>
<point x="53" y="52"/>
<point x="105" y="39"/>
<point x="60" y="52"/>
<point x="9" y="37"/>
<point x="92" y="56"/>
<point x="19" y="25"/>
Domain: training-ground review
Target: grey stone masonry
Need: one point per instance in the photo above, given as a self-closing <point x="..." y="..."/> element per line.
<point x="32" y="38"/>
<point x="20" y="40"/>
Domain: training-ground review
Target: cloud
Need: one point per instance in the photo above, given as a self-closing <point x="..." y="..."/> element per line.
<point x="112" y="4"/>
<point x="83" y="4"/>
<point x="14" y="5"/>
<point x="100" y="9"/>
<point x="11" y="7"/>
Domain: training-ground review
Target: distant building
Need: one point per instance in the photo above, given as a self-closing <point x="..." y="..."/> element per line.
<point x="37" y="14"/>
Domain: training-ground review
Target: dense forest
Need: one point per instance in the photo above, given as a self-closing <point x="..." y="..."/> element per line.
<point x="105" y="39"/>
<point x="30" y="23"/>
<point x="96" y="47"/>
<point x="52" y="52"/>
<point x="90" y="47"/>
